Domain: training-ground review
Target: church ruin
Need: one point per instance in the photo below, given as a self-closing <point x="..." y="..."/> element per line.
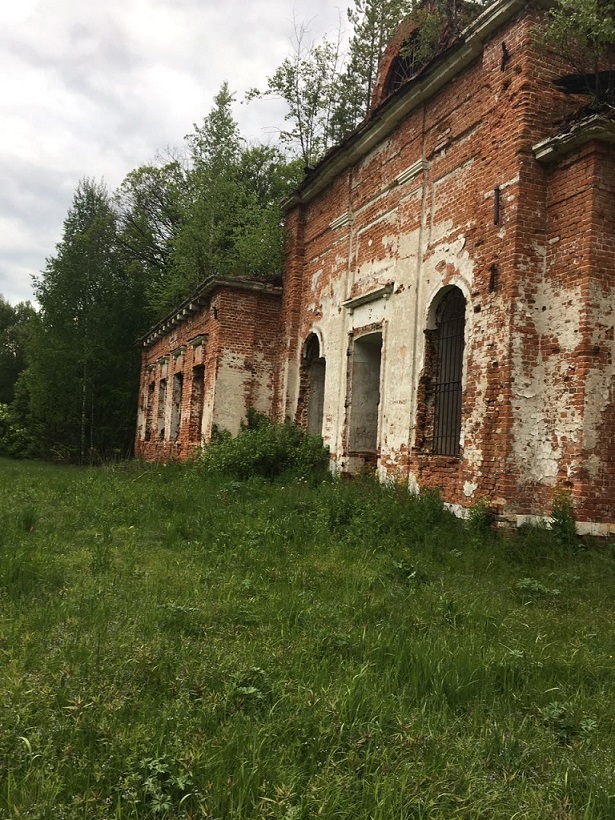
<point x="447" y="310"/>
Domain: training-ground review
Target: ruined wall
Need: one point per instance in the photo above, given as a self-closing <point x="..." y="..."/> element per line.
<point x="563" y="354"/>
<point x="454" y="197"/>
<point x="246" y="373"/>
<point x="221" y="358"/>
<point x="414" y="216"/>
<point x="597" y="472"/>
<point x="460" y="217"/>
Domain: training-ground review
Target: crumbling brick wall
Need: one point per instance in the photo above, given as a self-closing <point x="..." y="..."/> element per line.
<point x="452" y="195"/>
<point x="221" y="346"/>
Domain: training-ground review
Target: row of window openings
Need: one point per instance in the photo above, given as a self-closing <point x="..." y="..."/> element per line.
<point x="441" y="384"/>
<point x="158" y="419"/>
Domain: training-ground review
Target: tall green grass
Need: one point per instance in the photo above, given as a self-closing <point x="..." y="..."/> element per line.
<point x="179" y="644"/>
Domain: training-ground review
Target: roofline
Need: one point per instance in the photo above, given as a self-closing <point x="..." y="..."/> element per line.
<point x="198" y="298"/>
<point x="395" y="108"/>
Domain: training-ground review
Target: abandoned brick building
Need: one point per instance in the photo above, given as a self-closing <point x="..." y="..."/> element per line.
<point x="447" y="310"/>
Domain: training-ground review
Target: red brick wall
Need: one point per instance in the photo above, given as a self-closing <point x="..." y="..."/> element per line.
<point x="524" y="411"/>
<point x="242" y="331"/>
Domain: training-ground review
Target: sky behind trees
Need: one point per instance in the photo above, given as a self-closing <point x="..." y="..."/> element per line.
<point x="97" y="89"/>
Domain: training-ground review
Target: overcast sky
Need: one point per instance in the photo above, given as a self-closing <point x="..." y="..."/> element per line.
<point x="95" y="88"/>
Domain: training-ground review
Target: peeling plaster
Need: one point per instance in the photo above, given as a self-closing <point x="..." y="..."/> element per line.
<point x="541" y="424"/>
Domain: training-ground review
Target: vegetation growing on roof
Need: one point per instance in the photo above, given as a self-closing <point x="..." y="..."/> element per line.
<point x="583" y="33"/>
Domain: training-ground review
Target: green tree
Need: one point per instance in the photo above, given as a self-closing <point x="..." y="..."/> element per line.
<point x="327" y="93"/>
<point x="583" y="33"/>
<point x="308" y="81"/>
<point x="374" y="24"/>
<point x="151" y="204"/>
<point x="80" y="379"/>
<point x="13" y="325"/>
<point x="231" y="222"/>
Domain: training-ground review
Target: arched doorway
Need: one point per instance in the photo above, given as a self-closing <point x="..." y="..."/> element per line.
<point x="315" y="367"/>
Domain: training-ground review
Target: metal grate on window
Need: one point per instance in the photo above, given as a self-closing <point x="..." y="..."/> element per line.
<point x="449" y="344"/>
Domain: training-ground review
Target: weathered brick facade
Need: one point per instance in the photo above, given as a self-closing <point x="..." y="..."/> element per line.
<point x="205" y="363"/>
<point x="448" y="303"/>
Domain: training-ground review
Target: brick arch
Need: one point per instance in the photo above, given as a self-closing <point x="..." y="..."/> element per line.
<point x="312" y="345"/>
<point x="310" y="409"/>
<point x="405" y="30"/>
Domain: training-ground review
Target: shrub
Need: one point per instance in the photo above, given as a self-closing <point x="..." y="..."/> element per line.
<point x="14" y="439"/>
<point x="480" y="518"/>
<point x="263" y="448"/>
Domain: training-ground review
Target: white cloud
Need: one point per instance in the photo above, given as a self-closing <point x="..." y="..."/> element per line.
<point x="94" y="89"/>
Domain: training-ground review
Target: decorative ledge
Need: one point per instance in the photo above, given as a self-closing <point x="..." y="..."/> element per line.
<point x="179" y="351"/>
<point x="411" y="172"/>
<point x="380" y="293"/>
<point x="593" y="128"/>
<point x="202" y="297"/>
<point x="199" y="340"/>
<point x="341" y="221"/>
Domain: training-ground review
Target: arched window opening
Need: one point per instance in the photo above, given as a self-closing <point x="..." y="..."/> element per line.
<point x="447" y="342"/>
<point x="315" y="370"/>
<point x="405" y="65"/>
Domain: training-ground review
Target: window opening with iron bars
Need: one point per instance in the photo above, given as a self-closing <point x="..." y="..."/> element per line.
<point x="405" y="65"/>
<point x="448" y="341"/>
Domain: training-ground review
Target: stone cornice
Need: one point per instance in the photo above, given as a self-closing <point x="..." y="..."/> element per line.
<point x="382" y="292"/>
<point x="395" y="108"/>
<point x="199" y="299"/>
<point x="593" y="128"/>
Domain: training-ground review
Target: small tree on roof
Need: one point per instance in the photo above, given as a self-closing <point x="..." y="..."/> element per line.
<point x="583" y="33"/>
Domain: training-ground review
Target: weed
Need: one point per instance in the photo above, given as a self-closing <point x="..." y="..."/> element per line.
<point x="480" y="518"/>
<point x="564" y="721"/>
<point x="531" y="589"/>
<point x="563" y="524"/>
<point x="27" y="519"/>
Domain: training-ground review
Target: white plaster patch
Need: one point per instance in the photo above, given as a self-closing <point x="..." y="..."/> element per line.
<point x="408" y="247"/>
<point x="413" y="485"/>
<point x="440" y="230"/>
<point x="469" y="488"/>
<point x="544" y="427"/>
<point x="445" y="252"/>
<point x="316" y="278"/>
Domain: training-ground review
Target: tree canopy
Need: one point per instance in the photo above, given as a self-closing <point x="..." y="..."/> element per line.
<point x="80" y="374"/>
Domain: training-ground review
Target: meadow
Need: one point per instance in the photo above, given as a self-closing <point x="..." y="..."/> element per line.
<point x="178" y="644"/>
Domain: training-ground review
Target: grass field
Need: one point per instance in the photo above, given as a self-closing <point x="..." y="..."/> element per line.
<point x="175" y="645"/>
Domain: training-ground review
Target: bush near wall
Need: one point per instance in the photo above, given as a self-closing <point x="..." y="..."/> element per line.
<point x="266" y="449"/>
